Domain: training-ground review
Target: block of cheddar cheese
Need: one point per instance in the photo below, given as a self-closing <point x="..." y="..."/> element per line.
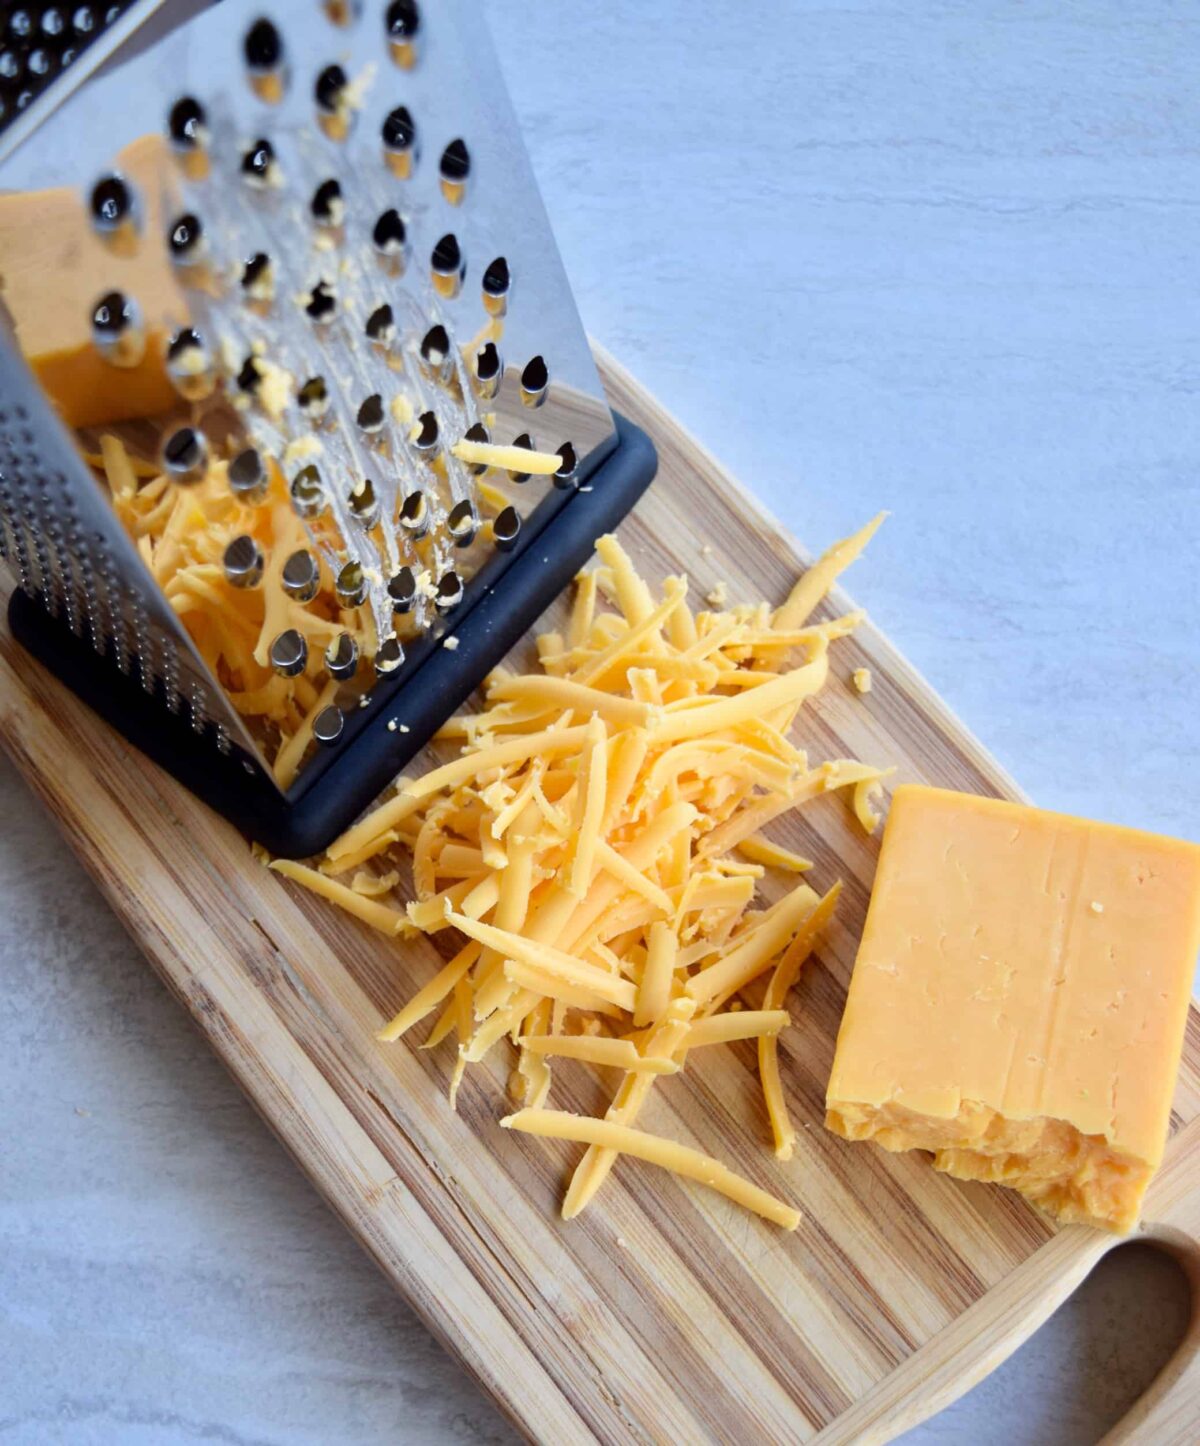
<point x="53" y="270"/>
<point x="1019" y="999"/>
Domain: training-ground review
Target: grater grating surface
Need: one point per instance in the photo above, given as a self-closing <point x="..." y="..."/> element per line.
<point x="350" y="273"/>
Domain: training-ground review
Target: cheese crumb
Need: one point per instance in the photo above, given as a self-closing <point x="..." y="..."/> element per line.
<point x="719" y="595"/>
<point x="862" y="679"/>
<point x="450" y="644"/>
<point x="404" y="728"/>
<point x="1097" y="907"/>
<point x="302" y="449"/>
<point x="391" y="725"/>
<point x="274" y="388"/>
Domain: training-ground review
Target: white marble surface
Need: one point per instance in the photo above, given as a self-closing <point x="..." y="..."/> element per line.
<point x="932" y="257"/>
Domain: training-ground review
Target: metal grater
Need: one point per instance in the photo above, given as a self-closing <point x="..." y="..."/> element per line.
<point x="348" y="270"/>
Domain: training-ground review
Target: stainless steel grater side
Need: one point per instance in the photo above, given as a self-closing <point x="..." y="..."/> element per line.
<point x="289" y="263"/>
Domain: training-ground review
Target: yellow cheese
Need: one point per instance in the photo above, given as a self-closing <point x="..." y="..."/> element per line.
<point x="999" y="1019"/>
<point x="515" y="459"/>
<point x="53" y="270"/>
<point x="379" y="916"/>
<point x="613" y="1053"/>
<point x="692" y="1164"/>
<point x="763" y="851"/>
<point x="580" y="841"/>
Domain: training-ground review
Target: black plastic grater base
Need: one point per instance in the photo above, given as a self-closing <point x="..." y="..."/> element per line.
<point x="304" y="825"/>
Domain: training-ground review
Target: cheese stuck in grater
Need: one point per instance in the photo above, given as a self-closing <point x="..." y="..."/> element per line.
<point x="294" y="393"/>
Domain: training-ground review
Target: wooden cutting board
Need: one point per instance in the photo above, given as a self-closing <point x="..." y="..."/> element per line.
<point x="664" y="1313"/>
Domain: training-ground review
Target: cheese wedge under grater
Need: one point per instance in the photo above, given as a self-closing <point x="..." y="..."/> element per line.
<point x="277" y="284"/>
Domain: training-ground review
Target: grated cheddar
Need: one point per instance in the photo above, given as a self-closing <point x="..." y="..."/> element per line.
<point x="582" y="844"/>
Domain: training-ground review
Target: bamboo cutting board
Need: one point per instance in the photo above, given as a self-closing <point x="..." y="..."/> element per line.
<point x="664" y="1314"/>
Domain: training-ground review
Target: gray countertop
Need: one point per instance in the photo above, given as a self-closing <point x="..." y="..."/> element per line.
<point x="922" y="256"/>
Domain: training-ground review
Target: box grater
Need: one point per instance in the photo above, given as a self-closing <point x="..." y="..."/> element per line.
<point x="347" y="271"/>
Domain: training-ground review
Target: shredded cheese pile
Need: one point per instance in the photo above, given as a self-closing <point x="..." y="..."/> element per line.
<point x="182" y="533"/>
<point x="597" y="844"/>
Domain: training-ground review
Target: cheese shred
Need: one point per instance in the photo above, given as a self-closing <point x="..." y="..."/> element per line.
<point x="581" y="841"/>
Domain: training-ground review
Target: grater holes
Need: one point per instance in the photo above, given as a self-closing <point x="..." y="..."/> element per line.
<point x="535" y="382"/>
<point x="402" y="590"/>
<point x="243" y="562"/>
<point x="477" y="432"/>
<point x="117" y="330"/>
<point x="258" y="278"/>
<point x="365" y="504"/>
<point x="448" y="266"/>
<point x="487" y="371"/>
<point x="426" y="435"/>
<point x="189" y="365"/>
<point x="187" y="125"/>
<point x="341" y="658"/>
<point x="327" y="206"/>
<point x="371" y="415"/>
<point x="329" y="90"/>
<point x="248" y="477"/>
<point x="186" y="241"/>
<point x="263" y="45"/>
<point x="399" y="136"/>
<point x="497" y="284"/>
<point x="198" y="705"/>
<point x="437" y="360"/>
<point x="47" y="582"/>
<point x="331" y="95"/>
<point x="321" y="304"/>
<point x="143" y="646"/>
<point x="170" y="674"/>
<point x="266" y="61"/>
<point x="313" y="398"/>
<point x="259" y="167"/>
<point x="565" y="476"/>
<point x="350" y="585"/>
<point x="389" y="656"/>
<point x="301" y="576"/>
<point x="381" y="325"/>
<point x="463" y="523"/>
<point x="453" y="170"/>
<point x="113" y="206"/>
<point x="506" y="529"/>
<point x="390" y="239"/>
<point x="414" y="515"/>
<point x="450" y="591"/>
<point x="329" y="725"/>
<point x="307" y="492"/>
<point x="402" y="22"/>
<point x="289" y="653"/>
<point x="185" y="456"/>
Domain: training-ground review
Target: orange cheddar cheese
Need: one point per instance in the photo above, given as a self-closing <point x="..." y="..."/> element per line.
<point x="1019" y="1000"/>
<point x="54" y="269"/>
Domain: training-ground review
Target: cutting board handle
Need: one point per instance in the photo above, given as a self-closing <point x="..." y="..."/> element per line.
<point x="1169" y="1412"/>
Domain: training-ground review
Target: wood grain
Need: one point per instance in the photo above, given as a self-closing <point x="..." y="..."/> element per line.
<point x="665" y="1313"/>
